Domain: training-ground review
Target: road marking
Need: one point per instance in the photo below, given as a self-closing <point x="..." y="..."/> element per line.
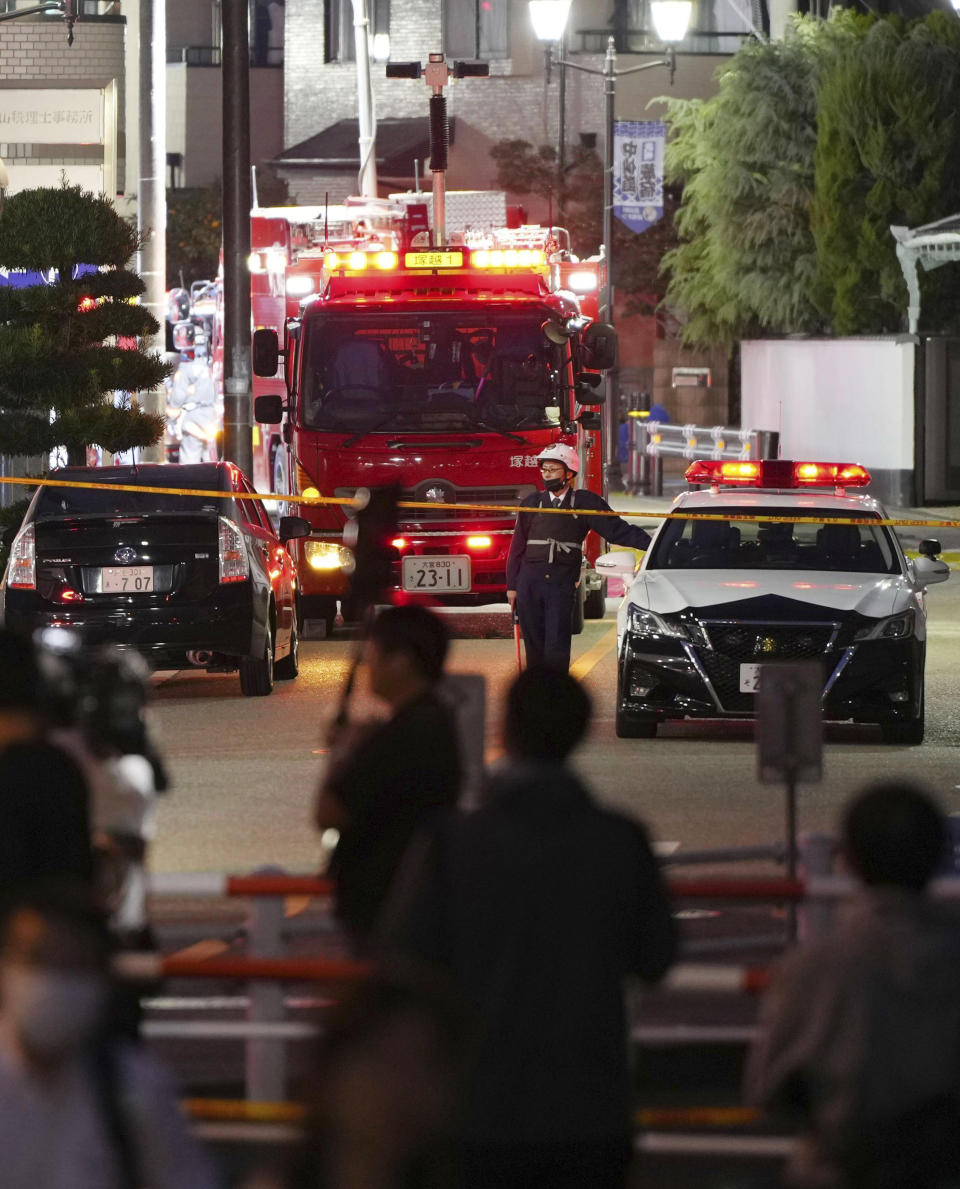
<point x="593" y="656"/>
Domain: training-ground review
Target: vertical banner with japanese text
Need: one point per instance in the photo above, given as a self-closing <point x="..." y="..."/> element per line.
<point x="638" y="172"/>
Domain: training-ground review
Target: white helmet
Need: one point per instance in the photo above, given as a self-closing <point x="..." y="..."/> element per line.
<point x="560" y="453"/>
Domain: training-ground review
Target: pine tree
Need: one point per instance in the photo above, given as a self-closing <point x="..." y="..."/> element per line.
<point x="60" y="359"/>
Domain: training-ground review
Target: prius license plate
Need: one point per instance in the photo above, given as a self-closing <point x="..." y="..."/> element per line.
<point x="750" y="679"/>
<point x="443" y="575"/>
<point x="126" y="579"/>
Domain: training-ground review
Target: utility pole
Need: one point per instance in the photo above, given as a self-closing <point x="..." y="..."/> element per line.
<point x="151" y="187"/>
<point x="237" y="377"/>
<point x="368" y="137"/>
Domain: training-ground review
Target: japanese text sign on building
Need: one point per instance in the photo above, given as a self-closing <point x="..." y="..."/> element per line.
<point x="51" y="116"/>
<point x="638" y="172"/>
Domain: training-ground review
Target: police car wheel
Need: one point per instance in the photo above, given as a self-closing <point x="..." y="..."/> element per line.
<point x="635" y="726"/>
<point x="906" y="734"/>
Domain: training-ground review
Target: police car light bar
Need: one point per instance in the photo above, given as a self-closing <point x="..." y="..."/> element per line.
<point x="777" y="473"/>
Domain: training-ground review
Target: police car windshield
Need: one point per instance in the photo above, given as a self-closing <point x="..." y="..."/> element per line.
<point x="782" y="544"/>
<point x="441" y="373"/>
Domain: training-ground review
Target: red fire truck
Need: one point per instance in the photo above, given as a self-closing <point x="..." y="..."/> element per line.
<point x="287" y="248"/>
<point x="446" y="371"/>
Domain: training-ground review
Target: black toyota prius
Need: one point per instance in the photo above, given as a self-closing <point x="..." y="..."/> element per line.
<point x="201" y="580"/>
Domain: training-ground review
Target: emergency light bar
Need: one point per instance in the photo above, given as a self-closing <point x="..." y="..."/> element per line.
<point x="481" y="258"/>
<point x="777" y="473"/>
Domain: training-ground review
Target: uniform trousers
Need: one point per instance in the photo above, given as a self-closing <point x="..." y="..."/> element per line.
<point x="545" y="599"/>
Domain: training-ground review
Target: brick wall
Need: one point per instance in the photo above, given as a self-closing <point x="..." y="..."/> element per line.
<point x="38" y="51"/>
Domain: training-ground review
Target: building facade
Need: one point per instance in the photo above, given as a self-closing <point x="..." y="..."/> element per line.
<point x="516" y="102"/>
<point x="63" y="107"/>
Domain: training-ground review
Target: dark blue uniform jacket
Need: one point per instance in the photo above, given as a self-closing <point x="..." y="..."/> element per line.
<point x="611" y="528"/>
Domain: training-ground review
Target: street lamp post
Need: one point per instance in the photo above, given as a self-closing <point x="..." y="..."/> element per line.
<point x="671" y="19"/>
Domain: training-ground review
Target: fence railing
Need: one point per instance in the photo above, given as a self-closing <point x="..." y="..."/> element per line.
<point x="651" y="441"/>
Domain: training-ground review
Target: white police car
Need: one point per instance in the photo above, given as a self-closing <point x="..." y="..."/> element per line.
<point x="716" y="598"/>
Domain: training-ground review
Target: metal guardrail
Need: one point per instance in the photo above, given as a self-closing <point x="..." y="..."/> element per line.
<point x="651" y="441"/>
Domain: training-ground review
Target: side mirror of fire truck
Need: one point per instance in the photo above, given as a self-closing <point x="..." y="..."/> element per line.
<point x="268" y="409"/>
<point x="266" y="352"/>
<point x="600" y="346"/>
<point x="588" y="389"/>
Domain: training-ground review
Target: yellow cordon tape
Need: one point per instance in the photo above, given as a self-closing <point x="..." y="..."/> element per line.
<point x="236" y="1110"/>
<point x="512" y="509"/>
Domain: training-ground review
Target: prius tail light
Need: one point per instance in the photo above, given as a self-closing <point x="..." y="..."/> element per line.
<point x="22" y="568"/>
<point x="233" y="560"/>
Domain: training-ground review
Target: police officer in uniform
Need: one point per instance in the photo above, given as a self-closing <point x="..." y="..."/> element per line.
<point x="543" y="568"/>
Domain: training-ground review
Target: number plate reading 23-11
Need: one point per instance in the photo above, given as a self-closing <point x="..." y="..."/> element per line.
<point x="439" y="574"/>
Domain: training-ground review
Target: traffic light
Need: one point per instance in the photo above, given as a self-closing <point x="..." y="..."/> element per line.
<point x="370" y="535"/>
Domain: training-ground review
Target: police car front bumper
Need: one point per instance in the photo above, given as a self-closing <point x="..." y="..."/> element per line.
<point x="872" y="681"/>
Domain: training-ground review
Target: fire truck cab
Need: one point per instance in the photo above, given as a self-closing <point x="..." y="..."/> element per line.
<point x="445" y="371"/>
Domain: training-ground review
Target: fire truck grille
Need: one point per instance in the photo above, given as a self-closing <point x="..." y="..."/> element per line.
<point x="449" y="493"/>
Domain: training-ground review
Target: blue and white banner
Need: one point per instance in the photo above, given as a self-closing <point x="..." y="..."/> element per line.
<point x="638" y="172"/>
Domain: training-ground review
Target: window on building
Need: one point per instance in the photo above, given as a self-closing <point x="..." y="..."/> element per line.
<point x="339" y="42"/>
<point x="266" y="32"/>
<point x="476" y="28"/>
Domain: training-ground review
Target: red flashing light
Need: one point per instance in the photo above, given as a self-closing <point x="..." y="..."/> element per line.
<point x="711" y="471"/>
<point x="86" y="305"/>
<point x="479" y="543"/>
<point x="777" y="473"/>
<point x="400" y="543"/>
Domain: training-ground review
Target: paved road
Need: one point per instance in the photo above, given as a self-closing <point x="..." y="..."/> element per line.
<point x="244" y="770"/>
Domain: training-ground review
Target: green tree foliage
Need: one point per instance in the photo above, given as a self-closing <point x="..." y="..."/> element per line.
<point x="793" y="173"/>
<point x="527" y="169"/>
<point x="195" y="230"/>
<point x="746" y="260"/>
<point x="888" y="153"/>
<point x="60" y="360"/>
<point x="194" y="233"/>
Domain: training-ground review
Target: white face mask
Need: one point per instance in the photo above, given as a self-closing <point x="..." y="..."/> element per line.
<point x="52" y="1012"/>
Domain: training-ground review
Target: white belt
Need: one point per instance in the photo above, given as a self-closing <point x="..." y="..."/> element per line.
<point x="554" y="546"/>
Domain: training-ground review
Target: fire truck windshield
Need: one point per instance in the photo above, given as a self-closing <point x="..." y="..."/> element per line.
<point x="442" y="372"/>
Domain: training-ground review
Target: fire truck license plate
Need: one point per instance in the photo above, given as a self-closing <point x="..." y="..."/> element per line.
<point x="126" y="579"/>
<point x="440" y="574"/>
<point x="749" y="679"/>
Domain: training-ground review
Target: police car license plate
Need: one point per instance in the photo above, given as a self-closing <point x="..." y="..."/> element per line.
<point x="749" y="679"/>
<point x="440" y="574"/>
<point x="126" y="579"/>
